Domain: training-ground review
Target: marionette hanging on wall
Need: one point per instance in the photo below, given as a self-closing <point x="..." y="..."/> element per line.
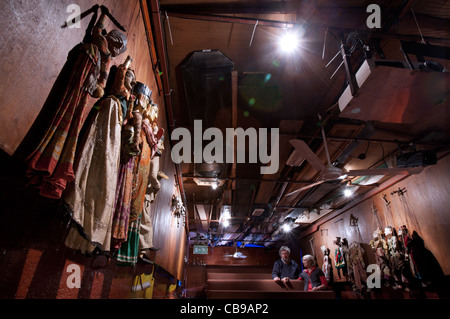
<point x="131" y="148"/>
<point x="400" y="269"/>
<point x="356" y="266"/>
<point x="327" y="268"/>
<point x="155" y="174"/>
<point x="339" y="258"/>
<point x="155" y="137"/>
<point x="91" y="196"/>
<point x="380" y="251"/>
<point x="50" y="165"/>
<point x="405" y="240"/>
<point x="424" y="263"/>
<point x="129" y="251"/>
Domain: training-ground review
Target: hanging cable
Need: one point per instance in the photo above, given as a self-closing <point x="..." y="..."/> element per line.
<point x="168" y="26"/>
<point x="253" y="33"/>
<point x="418" y="27"/>
<point x="324" y="43"/>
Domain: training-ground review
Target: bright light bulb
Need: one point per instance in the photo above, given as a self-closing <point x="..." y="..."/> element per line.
<point x="347" y="192"/>
<point x="289" y="42"/>
<point x="226" y="223"/>
<point x="214" y="185"/>
<point x="287" y="228"/>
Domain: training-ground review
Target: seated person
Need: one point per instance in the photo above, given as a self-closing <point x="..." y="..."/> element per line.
<point x="285" y="269"/>
<point x="314" y="277"/>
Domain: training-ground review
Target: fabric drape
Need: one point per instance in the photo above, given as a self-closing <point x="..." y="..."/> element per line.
<point x="91" y="197"/>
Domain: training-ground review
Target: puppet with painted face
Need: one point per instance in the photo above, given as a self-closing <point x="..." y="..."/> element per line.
<point x="155" y="138"/>
<point x="397" y="260"/>
<point x="91" y="196"/>
<point x="356" y="266"/>
<point x="339" y="258"/>
<point x="134" y="167"/>
<point x="158" y="147"/>
<point x="326" y="266"/>
<point x="50" y="167"/>
<point x="380" y="250"/>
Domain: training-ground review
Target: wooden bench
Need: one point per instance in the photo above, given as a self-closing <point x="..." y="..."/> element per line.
<point x="255" y="283"/>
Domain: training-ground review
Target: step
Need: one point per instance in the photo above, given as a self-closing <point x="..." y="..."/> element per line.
<point x="251" y="284"/>
<point x="258" y="294"/>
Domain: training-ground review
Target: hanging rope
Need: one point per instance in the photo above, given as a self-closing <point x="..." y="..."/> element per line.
<point x="410" y="215"/>
<point x="388" y="217"/>
<point x="253" y="34"/>
<point x="418" y="27"/>
<point x="376" y="220"/>
<point x="168" y="26"/>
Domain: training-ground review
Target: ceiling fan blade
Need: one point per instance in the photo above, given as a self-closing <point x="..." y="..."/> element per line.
<point x="385" y="171"/>
<point x="303" y="150"/>
<point x="305" y="188"/>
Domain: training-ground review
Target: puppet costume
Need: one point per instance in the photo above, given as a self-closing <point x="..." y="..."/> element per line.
<point x="128" y="252"/>
<point x="91" y="196"/>
<point x="397" y="260"/>
<point x="154" y="137"/>
<point x="130" y="148"/>
<point x="380" y="250"/>
<point x="356" y="265"/>
<point x="326" y="265"/>
<point x="339" y="258"/>
<point x="50" y="165"/>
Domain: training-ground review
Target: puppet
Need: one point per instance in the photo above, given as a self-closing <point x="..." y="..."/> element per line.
<point x="50" y="165"/>
<point x="91" y="196"/>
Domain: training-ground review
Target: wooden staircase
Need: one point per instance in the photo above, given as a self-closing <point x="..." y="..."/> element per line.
<point x="253" y="282"/>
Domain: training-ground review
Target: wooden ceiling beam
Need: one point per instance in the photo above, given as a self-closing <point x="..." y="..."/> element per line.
<point x="259" y="7"/>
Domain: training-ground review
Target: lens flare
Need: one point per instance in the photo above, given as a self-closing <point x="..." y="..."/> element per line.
<point x="289" y="42"/>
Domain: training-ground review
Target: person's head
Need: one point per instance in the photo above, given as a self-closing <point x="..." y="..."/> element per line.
<point x="285" y="253"/>
<point x="308" y="261"/>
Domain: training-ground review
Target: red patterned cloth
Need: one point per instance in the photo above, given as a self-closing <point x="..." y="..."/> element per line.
<point x="50" y="165"/>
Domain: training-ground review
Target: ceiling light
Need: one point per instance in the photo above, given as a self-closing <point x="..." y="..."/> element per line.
<point x="289" y="41"/>
<point x="348" y="192"/>
<point x="226" y="223"/>
<point x="286" y="228"/>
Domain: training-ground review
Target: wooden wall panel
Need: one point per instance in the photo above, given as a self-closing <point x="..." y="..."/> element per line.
<point x="427" y="197"/>
<point x="220" y="255"/>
